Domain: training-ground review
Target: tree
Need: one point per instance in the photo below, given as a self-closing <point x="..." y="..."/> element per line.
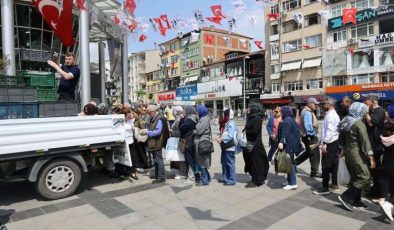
<point x="140" y="93"/>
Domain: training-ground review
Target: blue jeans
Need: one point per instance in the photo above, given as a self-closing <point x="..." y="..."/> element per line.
<point x="292" y="176"/>
<point x="205" y="176"/>
<point x="274" y="147"/>
<point x="228" y="167"/>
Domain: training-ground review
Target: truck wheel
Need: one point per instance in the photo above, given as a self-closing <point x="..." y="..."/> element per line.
<point x="58" y="179"/>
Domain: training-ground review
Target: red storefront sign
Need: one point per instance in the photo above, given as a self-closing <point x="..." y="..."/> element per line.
<point x="211" y="95"/>
<point x="168" y="96"/>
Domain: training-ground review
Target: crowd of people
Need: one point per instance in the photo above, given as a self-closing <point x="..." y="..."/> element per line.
<point x="361" y="133"/>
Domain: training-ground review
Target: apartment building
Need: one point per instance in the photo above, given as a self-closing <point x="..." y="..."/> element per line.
<point x="139" y="65"/>
<point x="296" y="40"/>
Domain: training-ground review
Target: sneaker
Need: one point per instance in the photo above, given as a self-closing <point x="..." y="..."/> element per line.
<point x="360" y="205"/>
<point x="285" y="184"/>
<point x="179" y="177"/>
<point x="345" y="203"/>
<point x="290" y="187"/>
<point x="387" y="209"/>
<point x="321" y="191"/>
<point x="334" y="187"/>
<point x="158" y="181"/>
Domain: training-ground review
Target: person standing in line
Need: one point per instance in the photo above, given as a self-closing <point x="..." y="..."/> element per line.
<point x="290" y="141"/>
<point x="329" y="146"/>
<point x="255" y="156"/>
<point x="175" y="132"/>
<point x="169" y="115"/>
<point x="357" y="150"/>
<point x="203" y="133"/>
<point x="187" y="125"/>
<point x="228" y="146"/>
<point x="139" y="157"/>
<point x="309" y="131"/>
<point x="273" y="129"/>
<point x="70" y="75"/>
<point x="158" y="134"/>
<point x="345" y="105"/>
<point x="375" y="122"/>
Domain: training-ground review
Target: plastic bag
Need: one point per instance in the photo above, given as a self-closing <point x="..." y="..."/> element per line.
<point x="282" y="162"/>
<point x="171" y="152"/>
<point x="343" y="173"/>
<point x="243" y="140"/>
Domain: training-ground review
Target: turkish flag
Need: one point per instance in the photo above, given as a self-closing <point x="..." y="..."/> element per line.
<point x="130" y="5"/>
<point x="216" y="20"/>
<point x="81" y="4"/>
<point x="272" y="16"/>
<point x="142" y="38"/>
<point x="217" y="11"/>
<point x="349" y="15"/>
<point x="259" y="44"/>
<point x="163" y="30"/>
<point x="165" y="19"/>
<point x="59" y="17"/>
<point x="133" y="25"/>
<point x="158" y="21"/>
<point x="116" y="20"/>
<point x="209" y="38"/>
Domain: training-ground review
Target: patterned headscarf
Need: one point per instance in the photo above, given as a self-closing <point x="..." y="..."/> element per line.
<point x="177" y="110"/>
<point x="356" y="112"/>
<point x="202" y="111"/>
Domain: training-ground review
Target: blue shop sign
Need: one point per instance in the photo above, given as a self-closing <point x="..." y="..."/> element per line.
<point x="185" y="92"/>
<point x="359" y="96"/>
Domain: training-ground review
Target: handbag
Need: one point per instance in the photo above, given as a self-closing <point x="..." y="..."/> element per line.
<point x="225" y="146"/>
<point x="282" y="162"/>
<point x="205" y="147"/>
<point x="243" y="140"/>
<point x="138" y="136"/>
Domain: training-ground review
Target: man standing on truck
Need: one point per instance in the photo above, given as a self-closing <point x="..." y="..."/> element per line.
<point x="70" y="74"/>
<point x="158" y="133"/>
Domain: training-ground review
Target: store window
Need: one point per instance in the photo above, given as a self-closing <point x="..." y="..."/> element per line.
<point x="386" y="56"/>
<point x="256" y="66"/>
<point x="362" y="60"/>
<point x="291" y="4"/>
<point x="293" y="86"/>
<point x="290" y="26"/>
<point x="313" y="41"/>
<point x="292" y="46"/>
<point x="362" y="79"/>
<point x="314" y="84"/>
<point x="339" y="81"/>
<point x="362" y="4"/>
<point x="387" y="77"/>
<point x="312" y="19"/>
<point x="338" y="35"/>
<point x="276" y="87"/>
<point x="362" y="30"/>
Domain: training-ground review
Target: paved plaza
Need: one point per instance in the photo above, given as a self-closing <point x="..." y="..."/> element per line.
<point x="105" y="203"/>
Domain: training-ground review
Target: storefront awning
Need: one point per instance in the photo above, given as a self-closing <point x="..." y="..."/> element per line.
<point x="191" y="79"/>
<point x="291" y="66"/>
<point x="276" y="101"/>
<point x="312" y="63"/>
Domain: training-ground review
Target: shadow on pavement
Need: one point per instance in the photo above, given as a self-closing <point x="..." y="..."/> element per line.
<point x="5" y="215"/>
<point x="241" y="178"/>
<point x="198" y="214"/>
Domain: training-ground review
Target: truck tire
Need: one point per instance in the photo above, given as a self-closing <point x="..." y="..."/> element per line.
<point x="58" y="179"/>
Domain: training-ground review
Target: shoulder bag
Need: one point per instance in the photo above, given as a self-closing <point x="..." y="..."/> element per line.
<point x="205" y="147"/>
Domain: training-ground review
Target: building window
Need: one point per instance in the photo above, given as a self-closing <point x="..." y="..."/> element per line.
<point x="337" y="10"/>
<point x="290" y="26"/>
<point x="292" y="46"/>
<point x="293" y="86"/>
<point x="314" y="84"/>
<point x="276" y="87"/>
<point x="275" y="9"/>
<point x="362" y="4"/>
<point x="275" y="69"/>
<point x="274" y="30"/>
<point x="362" y="79"/>
<point x="174" y="59"/>
<point x="274" y="49"/>
<point x="362" y="30"/>
<point x="339" y="81"/>
<point x="388" y="77"/>
<point x="338" y="35"/>
<point x="386" y="56"/>
<point x="362" y="60"/>
<point x="174" y="71"/>
<point x="312" y="19"/>
<point x="313" y="41"/>
<point x="310" y="1"/>
<point x="291" y="4"/>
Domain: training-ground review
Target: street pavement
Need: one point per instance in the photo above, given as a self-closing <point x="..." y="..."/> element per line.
<point x="104" y="203"/>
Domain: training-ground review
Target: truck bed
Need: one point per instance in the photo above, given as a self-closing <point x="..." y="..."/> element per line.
<point x="38" y="136"/>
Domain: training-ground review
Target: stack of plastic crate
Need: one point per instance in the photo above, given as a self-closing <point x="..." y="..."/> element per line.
<point x="44" y="82"/>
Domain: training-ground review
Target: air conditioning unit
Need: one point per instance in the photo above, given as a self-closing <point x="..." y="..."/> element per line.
<point x="352" y="41"/>
<point x="288" y="93"/>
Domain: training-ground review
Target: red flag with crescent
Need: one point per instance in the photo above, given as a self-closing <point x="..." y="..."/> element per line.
<point x="259" y="44"/>
<point x="130" y="5"/>
<point x="164" y="18"/>
<point x="142" y="38"/>
<point x="59" y="17"/>
<point x="349" y="15"/>
<point x="217" y="11"/>
<point x="216" y="20"/>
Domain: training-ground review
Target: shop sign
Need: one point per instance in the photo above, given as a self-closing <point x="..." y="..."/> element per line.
<point x="186" y="92"/>
<point x="270" y="96"/>
<point x="334" y="63"/>
<point x="360" y="88"/>
<point x="357" y="96"/>
<point x="166" y="96"/>
<point x="378" y="40"/>
<point x="362" y="16"/>
<point x="220" y="88"/>
<point x="252" y="91"/>
<point x="211" y="95"/>
<point x="304" y="99"/>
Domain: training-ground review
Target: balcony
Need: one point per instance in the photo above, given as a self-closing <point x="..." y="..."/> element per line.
<point x="275" y="76"/>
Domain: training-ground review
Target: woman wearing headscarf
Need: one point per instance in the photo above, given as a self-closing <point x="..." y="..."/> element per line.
<point x="177" y="111"/>
<point x="186" y="128"/>
<point x="203" y="134"/>
<point x="227" y="144"/>
<point x="255" y="156"/>
<point x="139" y="157"/>
<point x="356" y="148"/>
<point x="290" y="141"/>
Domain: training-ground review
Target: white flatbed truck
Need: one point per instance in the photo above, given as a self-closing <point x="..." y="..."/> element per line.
<point x="54" y="153"/>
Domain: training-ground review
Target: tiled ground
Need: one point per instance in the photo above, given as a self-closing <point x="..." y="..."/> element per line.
<point x="109" y="204"/>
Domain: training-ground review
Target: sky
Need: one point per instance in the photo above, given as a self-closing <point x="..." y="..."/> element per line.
<point x="185" y="9"/>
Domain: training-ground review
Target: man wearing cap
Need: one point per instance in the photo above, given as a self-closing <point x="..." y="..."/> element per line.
<point x="329" y="146"/>
<point x="375" y="123"/>
<point x="309" y="130"/>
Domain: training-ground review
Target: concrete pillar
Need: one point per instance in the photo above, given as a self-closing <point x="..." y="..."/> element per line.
<point x="84" y="56"/>
<point x="7" y="33"/>
<point x="125" y="67"/>
<point x="101" y="47"/>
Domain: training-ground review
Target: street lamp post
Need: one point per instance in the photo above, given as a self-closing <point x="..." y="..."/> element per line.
<point x="244" y="85"/>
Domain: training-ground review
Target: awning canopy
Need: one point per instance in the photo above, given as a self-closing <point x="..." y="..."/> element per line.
<point x="315" y="62"/>
<point x="191" y="79"/>
<point x="279" y="101"/>
<point x="291" y="66"/>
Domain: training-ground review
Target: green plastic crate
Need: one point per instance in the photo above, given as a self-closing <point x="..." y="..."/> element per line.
<point x="39" y="79"/>
<point x="46" y="94"/>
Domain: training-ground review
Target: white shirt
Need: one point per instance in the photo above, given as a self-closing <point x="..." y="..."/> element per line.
<point x="329" y="132"/>
<point x="128" y="132"/>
